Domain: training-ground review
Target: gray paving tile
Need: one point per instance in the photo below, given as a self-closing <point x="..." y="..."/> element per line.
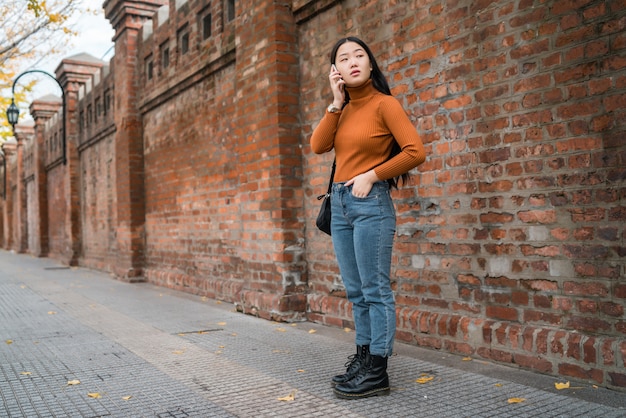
<point x="152" y="352"/>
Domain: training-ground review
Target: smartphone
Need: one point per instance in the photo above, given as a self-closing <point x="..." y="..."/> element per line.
<point x="341" y="78"/>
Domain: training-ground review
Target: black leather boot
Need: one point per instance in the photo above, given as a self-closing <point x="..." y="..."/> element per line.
<point x="371" y="380"/>
<point x="353" y="365"/>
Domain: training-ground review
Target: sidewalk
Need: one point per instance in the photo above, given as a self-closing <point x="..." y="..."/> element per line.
<point x="142" y="351"/>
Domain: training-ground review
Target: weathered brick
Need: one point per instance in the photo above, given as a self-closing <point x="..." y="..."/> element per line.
<point x="578" y="372"/>
<point x="590" y="355"/>
<point x="542" y="301"/>
<point x="612" y="309"/>
<point x="502" y="313"/>
<point x="533" y="362"/>
<point x="542" y="317"/>
<point x="556" y="343"/>
<point x="542" y="342"/>
<point x="573" y="346"/>
<point x="562" y="303"/>
<point x="537" y="216"/>
<point x="588" y="324"/>
<point x="458" y="347"/>
<point x="618" y="379"/>
<point x="581" y="252"/>
<point x="585" y="289"/>
<point x="541" y="285"/>
<point x="547" y="251"/>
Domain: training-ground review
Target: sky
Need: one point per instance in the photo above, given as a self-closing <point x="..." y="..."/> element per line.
<point x="94" y="37"/>
<point x="95" y="34"/>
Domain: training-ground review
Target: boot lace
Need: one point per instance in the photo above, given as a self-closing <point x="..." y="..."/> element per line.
<point x="352" y="360"/>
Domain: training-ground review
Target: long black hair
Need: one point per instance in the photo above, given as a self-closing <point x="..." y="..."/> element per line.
<point x="380" y="83"/>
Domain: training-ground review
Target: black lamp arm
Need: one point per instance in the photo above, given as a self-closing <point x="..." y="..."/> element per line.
<point x="17" y="110"/>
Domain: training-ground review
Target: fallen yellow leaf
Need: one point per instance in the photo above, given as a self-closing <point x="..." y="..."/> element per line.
<point x="347" y="330"/>
<point x="9" y="342"/>
<point x="312" y="331"/>
<point x="126" y="398"/>
<point x="293" y="325"/>
<point x="516" y="400"/>
<point x="25" y="373"/>
<point x="561" y="386"/>
<point x="73" y="382"/>
<point x="281" y="329"/>
<point x="424" y="379"/>
<point x="301" y="370"/>
<point x="467" y="359"/>
<point x="52" y="313"/>
<point x="94" y="395"/>
<point x="498" y="385"/>
<point x="221" y="324"/>
<point x="289" y="397"/>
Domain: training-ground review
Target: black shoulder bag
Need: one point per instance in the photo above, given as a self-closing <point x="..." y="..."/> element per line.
<point x="323" y="218"/>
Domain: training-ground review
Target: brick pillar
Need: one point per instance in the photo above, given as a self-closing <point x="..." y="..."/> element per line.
<point x="23" y="133"/>
<point x="3" y="200"/>
<point x="271" y="171"/>
<point x="127" y="18"/>
<point x="41" y="110"/>
<point x="2" y="205"/>
<point x="72" y="73"/>
<point x="10" y="152"/>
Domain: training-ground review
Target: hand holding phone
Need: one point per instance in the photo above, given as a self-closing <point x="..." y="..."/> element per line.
<point x="340" y="82"/>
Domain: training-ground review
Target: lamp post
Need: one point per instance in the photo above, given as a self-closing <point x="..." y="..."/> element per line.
<point x="13" y="112"/>
<point x="4" y="174"/>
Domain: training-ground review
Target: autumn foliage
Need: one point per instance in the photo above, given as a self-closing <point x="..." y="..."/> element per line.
<point x="30" y="31"/>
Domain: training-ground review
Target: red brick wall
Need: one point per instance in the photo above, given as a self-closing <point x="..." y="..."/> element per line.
<point x="511" y="239"/>
<point x="35" y="174"/>
<point x="192" y="199"/>
<point x="10" y="169"/>
<point x="193" y="227"/>
<point x="98" y="216"/>
<point x="222" y="157"/>
<point x="57" y="213"/>
<point x="98" y="187"/>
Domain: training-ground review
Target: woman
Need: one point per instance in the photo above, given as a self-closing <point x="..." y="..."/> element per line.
<point x="375" y="143"/>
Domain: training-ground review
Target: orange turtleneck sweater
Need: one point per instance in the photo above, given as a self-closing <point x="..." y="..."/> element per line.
<point x="362" y="135"/>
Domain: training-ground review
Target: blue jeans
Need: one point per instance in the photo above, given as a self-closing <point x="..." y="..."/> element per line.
<point x="363" y="230"/>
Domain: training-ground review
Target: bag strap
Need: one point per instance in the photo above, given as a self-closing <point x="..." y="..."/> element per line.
<point x="332" y="177"/>
<point x="330" y="181"/>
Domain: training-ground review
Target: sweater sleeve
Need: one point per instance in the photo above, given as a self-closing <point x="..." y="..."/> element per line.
<point x="323" y="138"/>
<point x="412" y="149"/>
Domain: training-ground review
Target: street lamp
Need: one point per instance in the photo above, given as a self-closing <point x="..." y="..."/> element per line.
<point x="13" y="112"/>
<point x="4" y="174"/>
